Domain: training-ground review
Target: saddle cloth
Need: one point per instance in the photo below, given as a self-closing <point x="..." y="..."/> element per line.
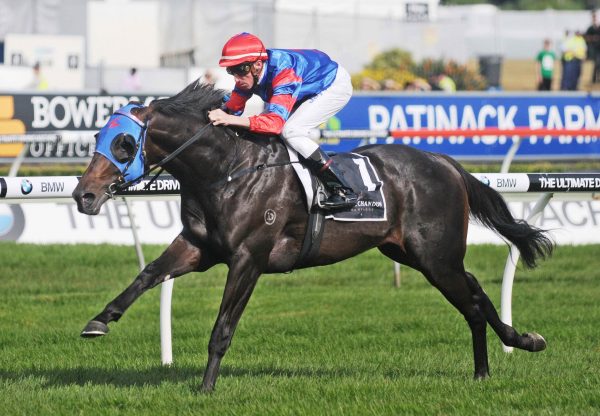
<point x="360" y="174"/>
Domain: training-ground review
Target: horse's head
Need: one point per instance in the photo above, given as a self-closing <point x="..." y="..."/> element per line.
<point x="136" y="135"/>
<point x="119" y="158"/>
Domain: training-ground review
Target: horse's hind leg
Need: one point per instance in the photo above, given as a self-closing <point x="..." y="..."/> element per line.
<point x="179" y="258"/>
<point x="451" y="281"/>
<point x="529" y="341"/>
<point x="455" y="288"/>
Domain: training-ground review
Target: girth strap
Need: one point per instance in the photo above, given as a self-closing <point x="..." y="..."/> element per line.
<point x="312" y="237"/>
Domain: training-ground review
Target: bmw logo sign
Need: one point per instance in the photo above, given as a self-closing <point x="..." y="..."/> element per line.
<point x="485" y="180"/>
<point x="26" y="187"/>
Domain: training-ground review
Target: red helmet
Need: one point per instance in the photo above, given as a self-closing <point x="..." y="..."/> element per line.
<point x="241" y="48"/>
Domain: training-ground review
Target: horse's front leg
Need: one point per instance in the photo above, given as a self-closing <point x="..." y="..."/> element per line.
<point x="241" y="280"/>
<point x="179" y="258"/>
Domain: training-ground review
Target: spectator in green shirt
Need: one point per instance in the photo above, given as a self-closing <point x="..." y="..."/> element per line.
<point x="545" y="67"/>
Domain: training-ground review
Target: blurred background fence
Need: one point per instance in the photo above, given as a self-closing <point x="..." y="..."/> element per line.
<point x="173" y="42"/>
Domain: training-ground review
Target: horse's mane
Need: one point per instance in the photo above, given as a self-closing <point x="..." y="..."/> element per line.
<point x="194" y="101"/>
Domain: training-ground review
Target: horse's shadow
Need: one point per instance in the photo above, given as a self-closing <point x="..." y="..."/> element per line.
<point x="53" y="377"/>
<point x="155" y="376"/>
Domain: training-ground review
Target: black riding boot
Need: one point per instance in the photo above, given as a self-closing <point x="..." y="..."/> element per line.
<point x="341" y="196"/>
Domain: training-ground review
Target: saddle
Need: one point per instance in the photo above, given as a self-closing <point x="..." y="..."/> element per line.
<point x="359" y="173"/>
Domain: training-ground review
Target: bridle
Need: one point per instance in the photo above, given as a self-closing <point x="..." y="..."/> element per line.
<point x="121" y="184"/>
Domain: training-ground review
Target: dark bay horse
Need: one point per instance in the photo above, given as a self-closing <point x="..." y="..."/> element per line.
<point x="430" y="198"/>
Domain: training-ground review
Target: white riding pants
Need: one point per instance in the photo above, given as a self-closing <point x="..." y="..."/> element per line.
<point x="300" y="127"/>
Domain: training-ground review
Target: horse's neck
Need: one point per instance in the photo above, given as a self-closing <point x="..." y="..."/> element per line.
<point x="220" y="153"/>
<point x="260" y="147"/>
<point x="249" y="151"/>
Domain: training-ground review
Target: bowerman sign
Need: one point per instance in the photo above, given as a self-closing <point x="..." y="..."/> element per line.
<point x="64" y="115"/>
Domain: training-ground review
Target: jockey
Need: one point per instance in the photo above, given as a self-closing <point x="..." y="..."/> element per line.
<point x="303" y="88"/>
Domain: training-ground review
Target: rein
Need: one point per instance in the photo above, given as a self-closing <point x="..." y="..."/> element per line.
<point x="115" y="187"/>
<point x="251" y="169"/>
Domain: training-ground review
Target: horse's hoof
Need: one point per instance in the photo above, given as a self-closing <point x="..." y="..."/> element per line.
<point x="538" y="343"/>
<point x="207" y="389"/>
<point x="94" y="329"/>
<point x="481" y="376"/>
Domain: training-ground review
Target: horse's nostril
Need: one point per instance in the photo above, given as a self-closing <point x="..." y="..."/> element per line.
<point x="88" y="198"/>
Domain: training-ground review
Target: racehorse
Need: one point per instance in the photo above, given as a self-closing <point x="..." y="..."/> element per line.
<point x="230" y="180"/>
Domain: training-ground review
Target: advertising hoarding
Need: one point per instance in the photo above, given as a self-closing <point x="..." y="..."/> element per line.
<point x="84" y="113"/>
<point x="468" y="111"/>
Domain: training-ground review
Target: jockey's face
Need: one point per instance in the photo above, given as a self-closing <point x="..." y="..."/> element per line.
<point x="246" y="81"/>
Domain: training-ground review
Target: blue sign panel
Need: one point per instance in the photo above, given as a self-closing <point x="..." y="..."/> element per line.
<point x="477" y="111"/>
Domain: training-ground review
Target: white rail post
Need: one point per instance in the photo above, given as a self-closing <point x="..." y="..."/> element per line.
<point x="511" y="154"/>
<point x="166" y="348"/>
<point x="14" y="168"/>
<point x="397" y="278"/>
<point x="136" y="239"/>
<point x="511" y="266"/>
<point x="166" y="293"/>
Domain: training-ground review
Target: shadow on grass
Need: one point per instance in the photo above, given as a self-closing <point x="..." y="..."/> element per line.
<point x="158" y="375"/>
<point x="176" y="375"/>
<point x="102" y="376"/>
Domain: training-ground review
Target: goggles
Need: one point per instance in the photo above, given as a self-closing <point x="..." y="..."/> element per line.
<point x="239" y="70"/>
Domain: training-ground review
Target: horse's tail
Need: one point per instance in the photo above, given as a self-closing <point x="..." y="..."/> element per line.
<point x="489" y="208"/>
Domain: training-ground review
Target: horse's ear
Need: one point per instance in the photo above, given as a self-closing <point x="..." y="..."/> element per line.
<point x="123" y="147"/>
<point x="141" y="113"/>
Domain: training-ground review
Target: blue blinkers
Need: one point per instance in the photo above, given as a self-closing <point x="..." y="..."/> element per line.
<point x="121" y="141"/>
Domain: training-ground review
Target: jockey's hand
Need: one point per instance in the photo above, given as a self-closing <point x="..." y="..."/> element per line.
<point x="219" y="117"/>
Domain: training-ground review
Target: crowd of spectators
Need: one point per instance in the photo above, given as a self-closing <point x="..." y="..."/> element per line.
<point x="568" y="54"/>
<point x="592" y="38"/>
<point x="575" y="48"/>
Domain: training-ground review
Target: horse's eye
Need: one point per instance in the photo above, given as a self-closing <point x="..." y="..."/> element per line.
<point x="123" y="147"/>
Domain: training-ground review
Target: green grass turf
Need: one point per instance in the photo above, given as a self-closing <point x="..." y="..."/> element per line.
<point x="331" y="340"/>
